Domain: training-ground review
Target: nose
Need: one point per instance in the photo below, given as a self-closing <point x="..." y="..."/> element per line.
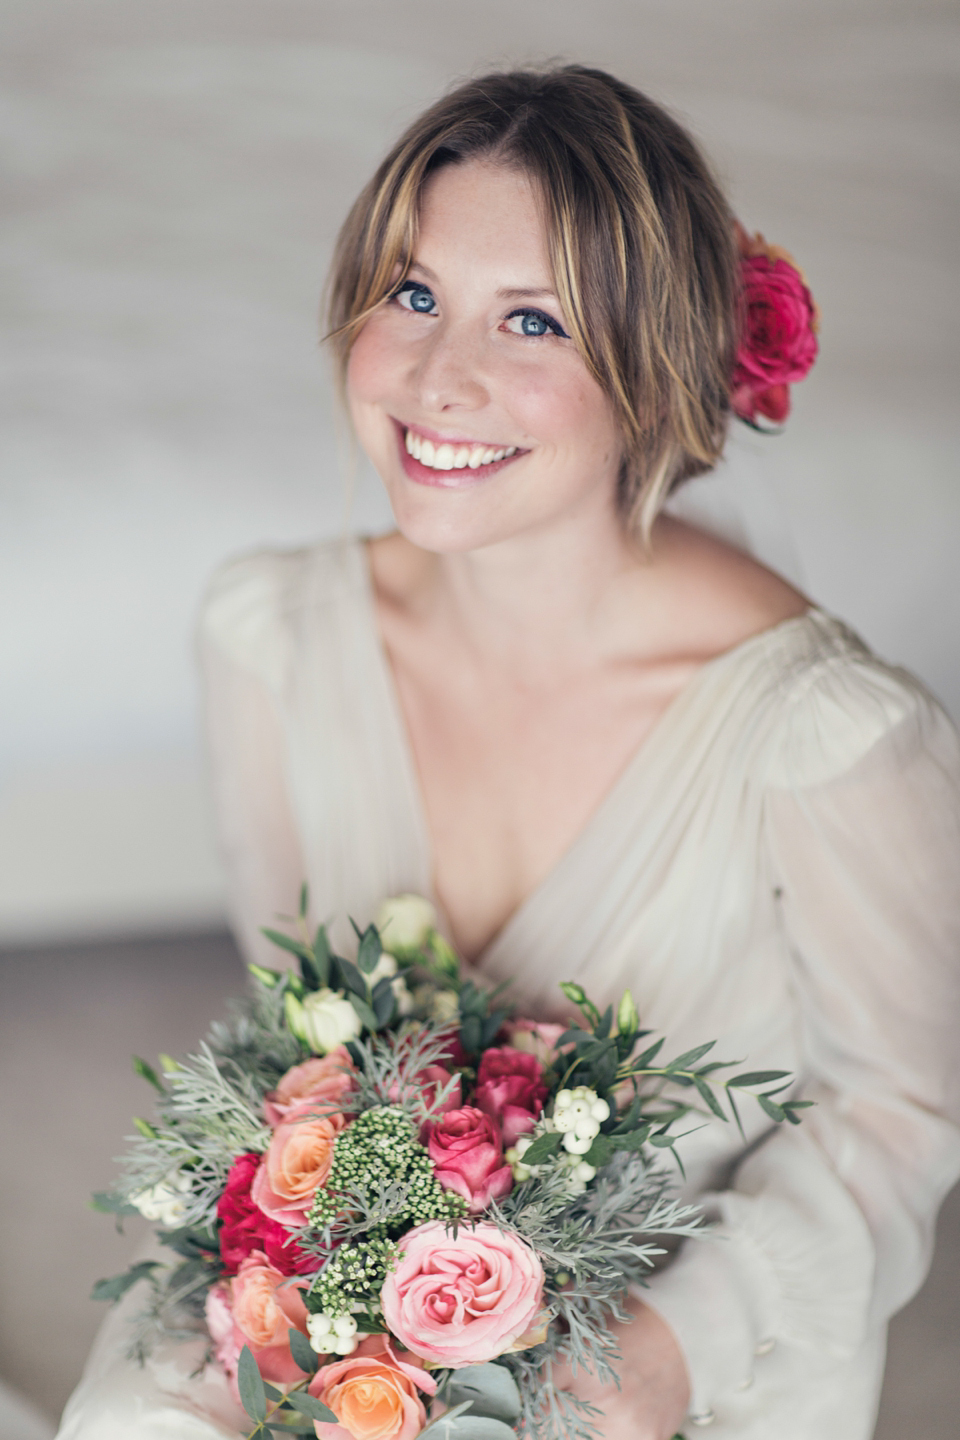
<point x="447" y="374"/>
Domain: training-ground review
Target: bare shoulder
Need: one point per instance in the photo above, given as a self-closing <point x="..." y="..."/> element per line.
<point x="718" y="597"/>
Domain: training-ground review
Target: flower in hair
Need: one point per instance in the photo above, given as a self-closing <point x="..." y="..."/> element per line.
<point x="778" y="341"/>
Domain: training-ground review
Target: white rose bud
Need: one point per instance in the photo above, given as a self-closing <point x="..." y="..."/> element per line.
<point x="402" y="995"/>
<point x="444" y="1006"/>
<point x="323" y="1020"/>
<point x="385" y="969"/>
<point x="164" y="1203"/>
<point x="404" y="923"/>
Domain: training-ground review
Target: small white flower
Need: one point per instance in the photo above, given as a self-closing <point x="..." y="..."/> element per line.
<point x="164" y="1203"/>
<point x="578" y="1115"/>
<point x="404" y="923"/>
<point x="323" y="1020"/>
<point x="320" y="1331"/>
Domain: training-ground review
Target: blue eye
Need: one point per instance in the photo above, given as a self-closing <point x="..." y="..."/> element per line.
<point x="534" y="322"/>
<point x="414" y="296"/>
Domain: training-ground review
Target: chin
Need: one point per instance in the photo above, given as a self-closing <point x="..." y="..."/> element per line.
<point x="452" y="524"/>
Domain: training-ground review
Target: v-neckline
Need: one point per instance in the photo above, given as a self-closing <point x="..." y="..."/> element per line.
<point x="638" y="761"/>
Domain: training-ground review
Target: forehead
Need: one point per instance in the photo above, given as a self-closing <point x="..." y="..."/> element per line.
<point x="487" y="217"/>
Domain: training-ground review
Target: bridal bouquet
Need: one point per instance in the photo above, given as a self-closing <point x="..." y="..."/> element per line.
<point x="393" y="1205"/>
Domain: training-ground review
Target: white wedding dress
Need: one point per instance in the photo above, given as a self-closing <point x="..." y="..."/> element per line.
<point x="778" y="868"/>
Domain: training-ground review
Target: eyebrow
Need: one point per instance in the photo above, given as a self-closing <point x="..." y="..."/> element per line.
<point x="522" y="292"/>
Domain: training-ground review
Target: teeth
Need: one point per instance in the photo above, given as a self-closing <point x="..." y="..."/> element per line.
<point x="446" y="456"/>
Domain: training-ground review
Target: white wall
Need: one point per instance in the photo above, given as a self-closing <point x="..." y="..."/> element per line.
<point x="175" y="174"/>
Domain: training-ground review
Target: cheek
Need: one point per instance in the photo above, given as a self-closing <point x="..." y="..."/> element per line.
<point x="566" y="410"/>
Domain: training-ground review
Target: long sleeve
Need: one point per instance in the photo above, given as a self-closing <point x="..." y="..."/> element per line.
<point x="242" y="668"/>
<point x="827" y="1229"/>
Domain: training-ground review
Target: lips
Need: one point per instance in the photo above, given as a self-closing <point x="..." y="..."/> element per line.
<point x="450" y="464"/>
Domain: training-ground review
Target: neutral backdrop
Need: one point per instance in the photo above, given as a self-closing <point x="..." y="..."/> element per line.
<point x="174" y="174"/>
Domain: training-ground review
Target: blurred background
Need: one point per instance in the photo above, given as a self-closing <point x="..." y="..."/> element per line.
<point x="173" y="177"/>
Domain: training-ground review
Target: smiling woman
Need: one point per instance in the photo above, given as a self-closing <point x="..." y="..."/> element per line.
<point x="610" y="749"/>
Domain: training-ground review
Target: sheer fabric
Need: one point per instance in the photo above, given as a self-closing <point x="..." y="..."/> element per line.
<point x="775" y="869"/>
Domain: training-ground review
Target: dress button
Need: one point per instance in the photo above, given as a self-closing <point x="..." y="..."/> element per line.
<point x="705" y="1417"/>
<point x="745" y="1384"/>
<point x="765" y="1347"/>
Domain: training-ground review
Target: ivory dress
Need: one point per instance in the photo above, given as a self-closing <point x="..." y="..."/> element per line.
<point x="777" y="868"/>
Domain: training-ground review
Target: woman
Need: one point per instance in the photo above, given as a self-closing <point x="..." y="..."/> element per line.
<point x="610" y="747"/>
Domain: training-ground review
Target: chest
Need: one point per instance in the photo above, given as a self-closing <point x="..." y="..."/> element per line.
<point x="511" y="771"/>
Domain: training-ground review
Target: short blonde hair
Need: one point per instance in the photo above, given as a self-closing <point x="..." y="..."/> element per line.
<point x="641" y="244"/>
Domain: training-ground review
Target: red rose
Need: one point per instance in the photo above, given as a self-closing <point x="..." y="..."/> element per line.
<point x="778" y="343"/>
<point x="467" y="1156"/>
<point x="510" y="1090"/>
<point x="244" y="1228"/>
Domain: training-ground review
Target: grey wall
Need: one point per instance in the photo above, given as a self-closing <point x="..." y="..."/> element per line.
<point x="173" y="176"/>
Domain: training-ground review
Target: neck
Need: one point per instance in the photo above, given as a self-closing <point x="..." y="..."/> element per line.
<point x="541" y="599"/>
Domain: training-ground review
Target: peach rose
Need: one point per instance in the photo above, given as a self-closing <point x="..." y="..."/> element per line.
<point x="257" y="1308"/>
<point x="462" y="1301"/>
<point x="326" y="1078"/>
<point x="373" y="1394"/>
<point x="296" y="1164"/>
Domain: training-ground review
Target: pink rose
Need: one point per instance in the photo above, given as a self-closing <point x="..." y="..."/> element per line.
<point x="257" y="1308"/>
<point x="467" y="1156"/>
<point x="778" y="343"/>
<point x="296" y="1164"/>
<point x="510" y="1089"/>
<point x="326" y="1078"/>
<point x="462" y="1301"/>
<point x="536" y="1037"/>
<point x="373" y="1394"/>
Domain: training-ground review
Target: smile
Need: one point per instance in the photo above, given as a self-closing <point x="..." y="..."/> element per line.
<point x="433" y="460"/>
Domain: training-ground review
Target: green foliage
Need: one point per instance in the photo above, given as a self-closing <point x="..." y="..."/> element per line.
<point x="118" y="1285"/>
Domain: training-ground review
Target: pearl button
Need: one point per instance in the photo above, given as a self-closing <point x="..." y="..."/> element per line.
<point x="705" y="1417"/>
<point x="745" y="1384"/>
<point x="765" y="1347"/>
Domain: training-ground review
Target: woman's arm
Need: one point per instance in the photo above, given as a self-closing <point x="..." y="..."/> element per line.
<point x="827" y="1229"/>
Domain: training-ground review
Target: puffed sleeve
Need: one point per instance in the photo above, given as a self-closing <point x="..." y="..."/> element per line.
<point x="244" y="647"/>
<point x="827" y="1229"/>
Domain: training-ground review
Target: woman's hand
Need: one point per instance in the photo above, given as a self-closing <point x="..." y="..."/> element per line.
<point x="654" y="1397"/>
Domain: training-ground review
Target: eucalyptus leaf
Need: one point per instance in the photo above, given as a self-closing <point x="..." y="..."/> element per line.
<point x="708" y="1097"/>
<point x="649" y="1055"/>
<point x="690" y="1057"/>
<point x="491" y="1389"/>
<point x="253" y="1397"/>
<point x="321" y="955"/>
<point x="286" y="942"/>
<point x="543" y="1148"/>
<point x="302" y="1351"/>
<point x="352" y="979"/>
<point x="313" y="1409"/>
<point x="367" y="1016"/>
<point x="118" y="1285"/>
<point x="370" y="950"/>
<point x="775" y="1111"/>
<point x="758" y="1077"/>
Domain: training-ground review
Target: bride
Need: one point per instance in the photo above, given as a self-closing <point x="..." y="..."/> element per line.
<point x="609" y="747"/>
